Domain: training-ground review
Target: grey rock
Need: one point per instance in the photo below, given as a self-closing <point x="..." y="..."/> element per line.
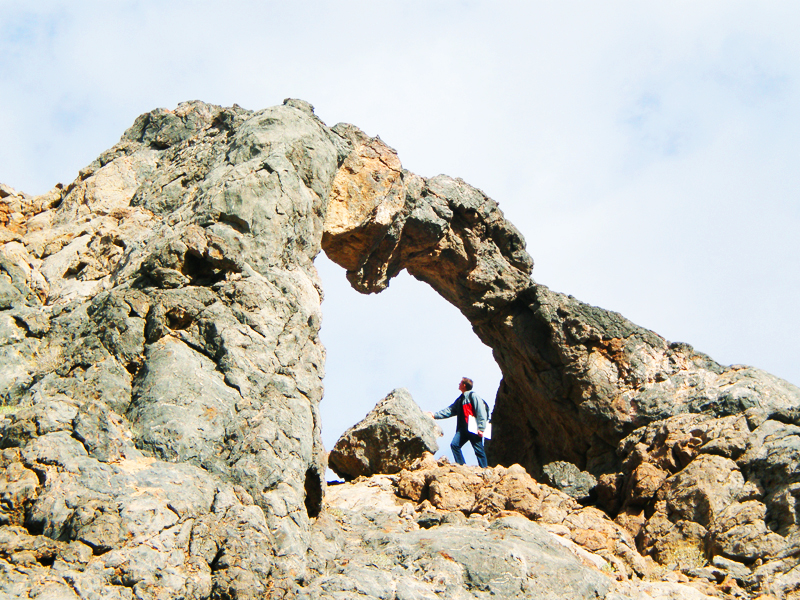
<point x="105" y="434"/>
<point x="569" y="479"/>
<point x="737" y="570"/>
<point x="182" y="406"/>
<point x="393" y="435"/>
<point x="716" y="575"/>
<point x="180" y="328"/>
<point x="511" y="557"/>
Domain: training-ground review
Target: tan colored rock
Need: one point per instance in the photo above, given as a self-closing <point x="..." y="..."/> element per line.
<point x="412" y="485"/>
<point x="643" y="484"/>
<point x="631" y="520"/>
<point x="373" y="493"/>
<point x="610" y="491"/>
<point x="367" y="192"/>
<point x="454" y="489"/>
<point x="678" y="545"/>
<point x="18" y="487"/>
<point x="522" y="494"/>
<point x="501" y="492"/>
<point x="740" y="533"/>
<point x="704" y="489"/>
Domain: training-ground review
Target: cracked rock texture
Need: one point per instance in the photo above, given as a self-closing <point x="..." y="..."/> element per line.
<point x="438" y="530"/>
<point x="161" y="365"/>
<point x="161" y="370"/>
<point x="583" y="386"/>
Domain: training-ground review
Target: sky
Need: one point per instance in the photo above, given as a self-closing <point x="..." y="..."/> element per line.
<point x="648" y="151"/>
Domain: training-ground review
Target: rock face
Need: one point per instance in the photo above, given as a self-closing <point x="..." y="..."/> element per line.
<point x="439" y="530"/>
<point x="694" y="486"/>
<point x="393" y="435"/>
<point x="584" y="385"/>
<point x="161" y="361"/>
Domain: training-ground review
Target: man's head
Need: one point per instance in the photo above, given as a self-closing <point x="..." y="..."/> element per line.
<point x="465" y="385"/>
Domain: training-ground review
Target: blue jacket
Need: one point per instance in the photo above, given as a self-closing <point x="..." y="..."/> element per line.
<point x="455" y="409"/>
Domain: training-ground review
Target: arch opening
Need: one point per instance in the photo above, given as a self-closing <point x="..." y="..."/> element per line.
<point x="403" y="337"/>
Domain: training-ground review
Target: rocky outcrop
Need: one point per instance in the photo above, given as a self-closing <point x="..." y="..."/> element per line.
<point x="696" y="487"/>
<point x="393" y="435"/>
<point x="585" y="386"/>
<point x="498" y="491"/>
<point x="452" y="531"/>
<point x="577" y="379"/>
<point x="160" y="372"/>
<point x="160" y="363"/>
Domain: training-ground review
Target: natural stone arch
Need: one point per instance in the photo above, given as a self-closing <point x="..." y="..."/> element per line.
<point x="576" y="378"/>
<point x="162" y="356"/>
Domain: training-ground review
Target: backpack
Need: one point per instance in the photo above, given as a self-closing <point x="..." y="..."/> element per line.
<point x="487" y="433"/>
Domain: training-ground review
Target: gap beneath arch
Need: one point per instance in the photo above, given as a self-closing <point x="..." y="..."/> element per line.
<point x="406" y="336"/>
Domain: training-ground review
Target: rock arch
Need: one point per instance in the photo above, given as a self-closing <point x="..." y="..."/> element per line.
<point x="576" y="378"/>
<point x="160" y="349"/>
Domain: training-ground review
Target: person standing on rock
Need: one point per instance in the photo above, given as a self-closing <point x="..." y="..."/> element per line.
<point x="467" y="405"/>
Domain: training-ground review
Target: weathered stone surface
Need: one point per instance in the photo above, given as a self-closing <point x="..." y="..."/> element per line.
<point x="669" y="430"/>
<point x="155" y="527"/>
<point x="393" y="435"/>
<point x="160" y="361"/>
<point x="686" y="499"/>
<point x="508" y="558"/>
<point x="377" y="548"/>
<point x="159" y="322"/>
<point x="498" y="491"/>
<point x="569" y="479"/>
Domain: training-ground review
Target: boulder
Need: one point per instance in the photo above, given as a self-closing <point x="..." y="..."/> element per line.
<point x="569" y="479"/>
<point x="393" y="435"/>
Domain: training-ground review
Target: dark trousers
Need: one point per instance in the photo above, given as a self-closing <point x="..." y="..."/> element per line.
<point x="461" y="438"/>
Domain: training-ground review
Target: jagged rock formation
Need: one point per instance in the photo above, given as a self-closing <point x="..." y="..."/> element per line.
<point x="469" y="533"/>
<point x="576" y="378"/>
<point x="160" y="354"/>
<point x="394" y="434"/>
<point x="579" y="380"/>
<point x="160" y="372"/>
<point x="726" y="488"/>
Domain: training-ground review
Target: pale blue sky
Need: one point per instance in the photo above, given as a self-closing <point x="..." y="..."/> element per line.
<point x="648" y="151"/>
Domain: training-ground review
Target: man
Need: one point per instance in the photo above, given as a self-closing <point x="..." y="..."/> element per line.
<point x="468" y="403"/>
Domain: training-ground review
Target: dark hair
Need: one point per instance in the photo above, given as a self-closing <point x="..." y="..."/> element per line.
<point x="467" y="381"/>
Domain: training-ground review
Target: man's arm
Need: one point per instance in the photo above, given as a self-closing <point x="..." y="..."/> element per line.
<point x="446" y="413"/>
